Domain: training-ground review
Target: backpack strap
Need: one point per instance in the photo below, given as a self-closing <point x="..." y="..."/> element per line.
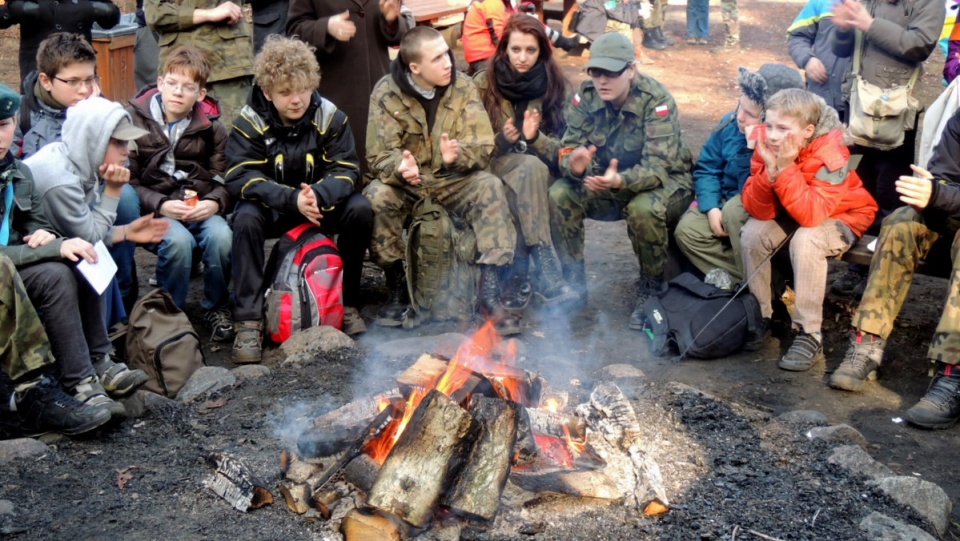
<point x="752" y="309"/>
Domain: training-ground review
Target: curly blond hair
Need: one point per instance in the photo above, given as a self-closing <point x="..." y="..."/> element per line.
<point x="286" y="64"/>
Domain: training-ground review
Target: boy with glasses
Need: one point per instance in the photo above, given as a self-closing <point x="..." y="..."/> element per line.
<point x="177" y="171"/>
<point x="622" y="159"/>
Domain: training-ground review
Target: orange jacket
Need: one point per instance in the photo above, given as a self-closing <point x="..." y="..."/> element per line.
<point x="811" y="190"/>
<point x="477" y="43"/>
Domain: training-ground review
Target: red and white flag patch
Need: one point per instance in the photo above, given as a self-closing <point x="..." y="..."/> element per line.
<point x="576" y="98"/>
<point x="662" y="110"/>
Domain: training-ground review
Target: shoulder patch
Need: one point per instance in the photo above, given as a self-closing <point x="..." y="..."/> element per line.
<point x="576" y="98"/>
<point x="662" y="110"/>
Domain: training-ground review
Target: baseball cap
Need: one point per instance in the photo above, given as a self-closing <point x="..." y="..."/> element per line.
<point x="126" y="131"/>
<point x="611" y="51"/>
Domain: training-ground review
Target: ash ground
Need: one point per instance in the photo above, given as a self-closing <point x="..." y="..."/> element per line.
<point x="725" y="461"/>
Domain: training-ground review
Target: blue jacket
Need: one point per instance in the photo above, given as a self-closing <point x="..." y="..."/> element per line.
<point x="811" y="35"/>
<point x="723" y="166"/>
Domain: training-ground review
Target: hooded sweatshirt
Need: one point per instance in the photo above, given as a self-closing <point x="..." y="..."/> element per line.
<point x="67" y="173"/>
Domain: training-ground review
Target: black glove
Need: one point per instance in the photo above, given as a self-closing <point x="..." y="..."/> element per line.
<point x="107" y="14"/>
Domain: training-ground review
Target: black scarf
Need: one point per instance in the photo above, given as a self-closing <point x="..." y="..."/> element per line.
<point x="520" y="88"/>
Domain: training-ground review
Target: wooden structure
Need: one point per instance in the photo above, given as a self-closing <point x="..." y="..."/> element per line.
<point x="115" y="66"/>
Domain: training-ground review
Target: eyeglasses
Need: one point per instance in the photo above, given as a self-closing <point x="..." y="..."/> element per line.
<point x="186" y="89"/>
<point x="598" y="72"/>
<point x="76" y="83"/>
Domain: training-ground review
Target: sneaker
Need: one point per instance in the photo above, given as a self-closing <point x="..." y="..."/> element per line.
<point x="758" y="336"/>
<point x="44" y="407"/>
<point x="117" y="378"/>
<point x="851" y="282"/>
<point x="860" y="362"/>
<point x="703" y="41"/>
<point x="352" y="322"/>
<point x="805" y="351"/>
<point x="247" y="346"/>
<point x="940" y="407"/>
<point x="220" y="323"/>
<point x="646" y="287"/>
<point x="90" y="392"/>
<point x="692" y="41"/>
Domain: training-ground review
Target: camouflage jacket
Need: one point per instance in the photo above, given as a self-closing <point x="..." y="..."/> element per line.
<point x="25" y="217"/>
<point x="644" y="136"/>
<point x="229" y="47"/>
<point x="545" y="146"/>
<point x="397" y="122"/>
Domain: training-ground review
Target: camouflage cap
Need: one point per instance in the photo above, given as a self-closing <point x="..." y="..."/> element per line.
<point x="9" y="102"/>
<point x="611" y="51"/>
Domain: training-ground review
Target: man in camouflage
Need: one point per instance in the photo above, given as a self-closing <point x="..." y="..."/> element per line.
<point x="430" y="137"/>
<point x="653" y="36"/>
<point x="218" y="29"/>
<point x="623" y="159"/>
<point x="929" y="225"/>
<point x="731" y="24"/>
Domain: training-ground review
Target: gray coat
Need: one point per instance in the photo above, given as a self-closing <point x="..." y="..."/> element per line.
<point x="45" y="123"/>
<point x="813" y="38"/>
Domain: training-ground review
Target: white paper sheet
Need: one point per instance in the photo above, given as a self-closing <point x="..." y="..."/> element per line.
<point x="100" y="273"/>
<point x="872" y="246"/>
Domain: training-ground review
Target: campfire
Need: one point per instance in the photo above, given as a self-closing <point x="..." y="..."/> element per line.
<point x="445" y="442"/>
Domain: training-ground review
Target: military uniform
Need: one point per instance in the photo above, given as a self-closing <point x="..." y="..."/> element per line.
<point x="655" y="164"/>
<point x="731" y="22"/>
<point x="463" y="188"/>
<point x="229" y="48"/>
<point x="24" y="348"/>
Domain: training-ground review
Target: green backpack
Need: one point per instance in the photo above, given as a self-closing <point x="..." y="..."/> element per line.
<point x="442" y="278"/>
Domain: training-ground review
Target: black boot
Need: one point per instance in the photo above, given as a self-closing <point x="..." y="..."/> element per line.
<point x="490" y="305"/>
<point x="554" y="289"/>
<point x="940" y="407"/>
<point x="663" y="38"/>
<point x="650" y="41"/>
<point x="398" y="302"/>
<point x="45" y="407"/>
<point x="647" y="286"/>
<point x="517" y="289"/>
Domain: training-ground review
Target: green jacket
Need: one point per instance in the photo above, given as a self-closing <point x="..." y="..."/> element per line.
<point x="545" y="146"/>
<point x="644" y="136"/>
<point x="397" y="122"/>
<point x="229" y="48"/>
<point x="25" y="217"/>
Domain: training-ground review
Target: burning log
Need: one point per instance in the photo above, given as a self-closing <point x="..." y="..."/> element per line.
<point x="297" y="496"/>
<point x="371" y="525"/>
<point x="477" y="492"/>
<point x="369" y="434"/>
<point x="583" y="484"/>
<point x="362" y="472"/>
<point x="438" y="436"/>
<point x="427" y="370"/>
<point x="334" y="431"/>
<point x="553" y="423"/>
<point x="234" y="482"/>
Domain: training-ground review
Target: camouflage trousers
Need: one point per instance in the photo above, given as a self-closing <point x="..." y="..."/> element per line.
<point x="232" y="95"/>
<point x="905" y="238"/>
<point x="651" y="216"/>
<point x="24" y="347"/>
<point x="656" y="14"/>
<point x="477" y="198"/>
<point x="731" y="20"/>
<point x="706" y="250"/>
<point x="526" y="180"/>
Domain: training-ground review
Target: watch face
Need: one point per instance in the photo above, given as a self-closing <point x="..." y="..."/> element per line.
<point x="521" y="146"/>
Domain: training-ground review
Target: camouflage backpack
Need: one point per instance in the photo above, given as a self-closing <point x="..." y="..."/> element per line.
<point x="441" y="276"/>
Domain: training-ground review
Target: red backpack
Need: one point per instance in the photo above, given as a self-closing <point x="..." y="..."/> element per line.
<point x="307" y="287"/>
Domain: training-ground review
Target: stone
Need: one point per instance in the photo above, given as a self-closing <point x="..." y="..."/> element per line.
<point x="250" y="371"/>
<point x="6" y="508"/>
<point x="856" y="460"/>
<point x="804" y="417"/>
<point x="621" y="371"/>
<point x="142" y="402"/>
<point x="21" y="448"/>
<point x="924" y="497"/>
<point x="204" y="381"/>
<point x="629" y="378"/>
<point x="837" y="433"/>
<point x="879" y="527"/>
<point x="306" y="346"/>
<point x="442" y="345"/>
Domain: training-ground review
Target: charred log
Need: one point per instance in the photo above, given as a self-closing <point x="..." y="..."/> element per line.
<point x="297" y="496"/>
<point x="371" y="525"/>
<point x="234" y="482"/>
<point x="362" y="472"/>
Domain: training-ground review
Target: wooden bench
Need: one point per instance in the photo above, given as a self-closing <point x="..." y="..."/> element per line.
<point x="861" y="254"/>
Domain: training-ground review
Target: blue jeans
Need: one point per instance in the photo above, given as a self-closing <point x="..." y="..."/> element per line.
<point x="175" y="259"/>
<point x="698" y="19"/>
<point x="125" y="284"/>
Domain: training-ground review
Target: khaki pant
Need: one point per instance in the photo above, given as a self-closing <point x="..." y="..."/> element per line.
<point x="706" y="250"/>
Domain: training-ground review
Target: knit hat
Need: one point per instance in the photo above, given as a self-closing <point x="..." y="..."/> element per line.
<point x="768" y="80"/>
<point x="9" y="102"/>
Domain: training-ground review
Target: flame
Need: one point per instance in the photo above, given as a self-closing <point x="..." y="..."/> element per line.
<point x="552" y="405"/>
<point x="576" y="445"/>
<point x="554" y="450"/>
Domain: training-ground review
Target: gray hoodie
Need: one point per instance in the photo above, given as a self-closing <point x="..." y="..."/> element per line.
<point x="67" y="173"/>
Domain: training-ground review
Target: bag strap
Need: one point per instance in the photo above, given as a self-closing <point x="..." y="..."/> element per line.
<point x="858" y="51"/>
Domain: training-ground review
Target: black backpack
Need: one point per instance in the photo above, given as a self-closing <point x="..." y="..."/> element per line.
<point x="691" y="310"/>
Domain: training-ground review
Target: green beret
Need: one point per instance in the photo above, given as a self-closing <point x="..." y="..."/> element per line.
<point x="9" y="102"/>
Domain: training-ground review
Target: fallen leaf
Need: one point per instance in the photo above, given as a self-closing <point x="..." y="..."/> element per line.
<point x="124" y="476"/>
<point x="211" y="405"/>
<point x="538" y="334"/>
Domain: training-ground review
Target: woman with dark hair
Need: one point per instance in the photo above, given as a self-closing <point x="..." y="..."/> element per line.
<point x="523" y="92"/>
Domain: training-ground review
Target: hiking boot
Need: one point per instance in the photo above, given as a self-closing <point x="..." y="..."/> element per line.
<point x="650" y="41"/>
<point x="940" y="407"/>
<point x="220" y="323"/>
<point x="490" y="306"/>
<point x="860" y="362"/>
<point x="45" y="407"/>
<point x="90" y="392"/>
<point x="554" y="290"/>
<point x="517" y="289"/>
<point x="805" y="351"/>
<point x="567" y="43"/>
<point x="663" y="37"/>
<point x="851" y="283"/>
<point x="247" y="345"/>
<point x="117" y="378"/>
<point x="353" y="324"/>
<point x="756" y="337"/>
<point x="394" y="311"/>
<point x="647" y="287"/>
<point x="729" y="46"/>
